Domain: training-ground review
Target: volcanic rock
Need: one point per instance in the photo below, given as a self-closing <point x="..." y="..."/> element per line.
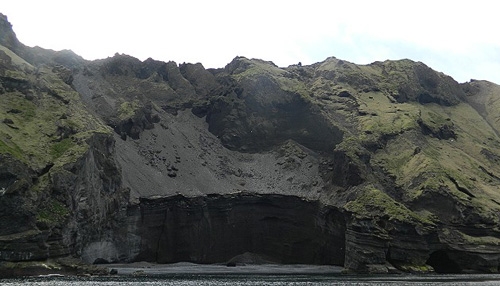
<point x="384" y="167"/>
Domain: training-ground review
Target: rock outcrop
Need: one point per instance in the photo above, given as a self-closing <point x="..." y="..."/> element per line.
<point x="216" y="228"/>
<point x="384" y="167"/>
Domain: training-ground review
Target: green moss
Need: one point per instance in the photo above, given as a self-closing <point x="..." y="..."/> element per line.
<point x="16" y="61"/>
<point x="373" y="202"/>
<point x="414" y="268"/>
<point x="433" y="181"/>
<point x="46" y="264"/>
<point x="33" y="137"/>
<point x="128" y="109"/>
<point x="73" y="124"/>
<point x="17" y="75"/>
<point x="54" y="86"/>
<point x="53" y="213"/>
<point x="295" y="86"/>
<point x="387" y="123"/>
<point x="286" y="80"/>
<point x="457" y="236"/>
<point x="439" y="177"/>
<point x="350" y="146"/>
<point x="42" y="184"/>
<point x="435" y="121"/>
<point x="383" y="117"/>
<point x="397" y="162"/>
<point x="461" y="180"/>
<point x="60" y="147"/>
<point x="435" y="118"/>
<point x="25" y="109"/>
<point x="11" y="148"/>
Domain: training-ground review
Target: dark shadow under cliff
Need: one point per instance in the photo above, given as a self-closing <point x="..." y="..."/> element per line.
<point x="216" y="228"/>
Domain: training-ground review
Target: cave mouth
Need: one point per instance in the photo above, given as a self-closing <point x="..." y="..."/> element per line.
<point x="217" y="228"/>
<point x="442" y="263"/>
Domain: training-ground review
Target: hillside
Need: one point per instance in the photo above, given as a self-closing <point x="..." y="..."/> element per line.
<point x="379" y="168"/>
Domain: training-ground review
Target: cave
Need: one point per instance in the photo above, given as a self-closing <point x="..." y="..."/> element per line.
<point x="217" y="228"/>
<point x="442" y="263"/>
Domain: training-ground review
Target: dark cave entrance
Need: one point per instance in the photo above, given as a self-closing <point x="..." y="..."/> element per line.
<point x="442" y="263"/>
<point x="217" y="228"/>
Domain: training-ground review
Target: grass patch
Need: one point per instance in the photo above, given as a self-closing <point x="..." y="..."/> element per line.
<point x="286" y="80"/>
<point x="17" y="75"/>
<point x="385" y="117"/>
<point x="373" y="202"/>
<point x="16" y="61"/>
<point x="127" y="109"/>
<point x="11" y="148"/>
<point x="33" y="138"/>
<point x="58" y="149"/>
<point x="53" y="213"/>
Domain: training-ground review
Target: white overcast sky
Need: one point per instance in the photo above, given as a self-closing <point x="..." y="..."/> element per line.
<point x="459" y="38"/>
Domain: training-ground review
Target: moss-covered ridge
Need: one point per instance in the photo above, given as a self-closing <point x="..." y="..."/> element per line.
<point x="429" y="144"/>
<point x="407" y="128"/>
<point x="49" y="143"/>
<point x="373" y="203"/>
<point x="44" y="121"/>
<point x="404" y="153"/>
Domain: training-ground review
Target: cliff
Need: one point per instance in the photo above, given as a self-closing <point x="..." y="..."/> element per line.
<point x="381" y="167"/>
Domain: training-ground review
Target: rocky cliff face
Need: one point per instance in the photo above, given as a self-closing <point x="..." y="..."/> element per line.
<point x="61" y="188"/>
<point x="378" y="167"/>
<point x="216" y="228"/>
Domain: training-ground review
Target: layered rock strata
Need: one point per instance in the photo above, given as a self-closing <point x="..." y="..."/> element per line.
<point x="381" y="167"/>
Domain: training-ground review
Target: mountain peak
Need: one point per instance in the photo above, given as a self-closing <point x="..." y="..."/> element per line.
<point x="379" y="166"/>
<point x="7" y="36"/>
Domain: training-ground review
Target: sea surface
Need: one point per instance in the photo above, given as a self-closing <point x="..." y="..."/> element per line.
<point x="187" y="274"/>
<point x="258" y="279"/>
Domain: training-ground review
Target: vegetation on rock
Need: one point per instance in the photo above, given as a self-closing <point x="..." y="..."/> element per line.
<point x="401" y="159"/>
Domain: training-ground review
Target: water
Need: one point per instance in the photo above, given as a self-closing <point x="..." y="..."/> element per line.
<point x="189" y="274"/>
<point x="260" y="279"/>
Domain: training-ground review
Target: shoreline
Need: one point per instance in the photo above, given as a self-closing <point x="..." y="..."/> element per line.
<point x="146" y="268"/>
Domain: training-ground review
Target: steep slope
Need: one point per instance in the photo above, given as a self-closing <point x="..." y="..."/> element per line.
<point x="60" y="185"/>
<point x="372" y="167"/>
<point x="394" y="146"/>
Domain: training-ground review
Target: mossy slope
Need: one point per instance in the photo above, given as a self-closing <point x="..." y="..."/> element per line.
<point x="44" y="120"/>
<point x="407" y="154"/>
<point x="45" y="131"/>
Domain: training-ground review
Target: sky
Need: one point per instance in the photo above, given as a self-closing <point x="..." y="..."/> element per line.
<point x="459" y="38"/>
